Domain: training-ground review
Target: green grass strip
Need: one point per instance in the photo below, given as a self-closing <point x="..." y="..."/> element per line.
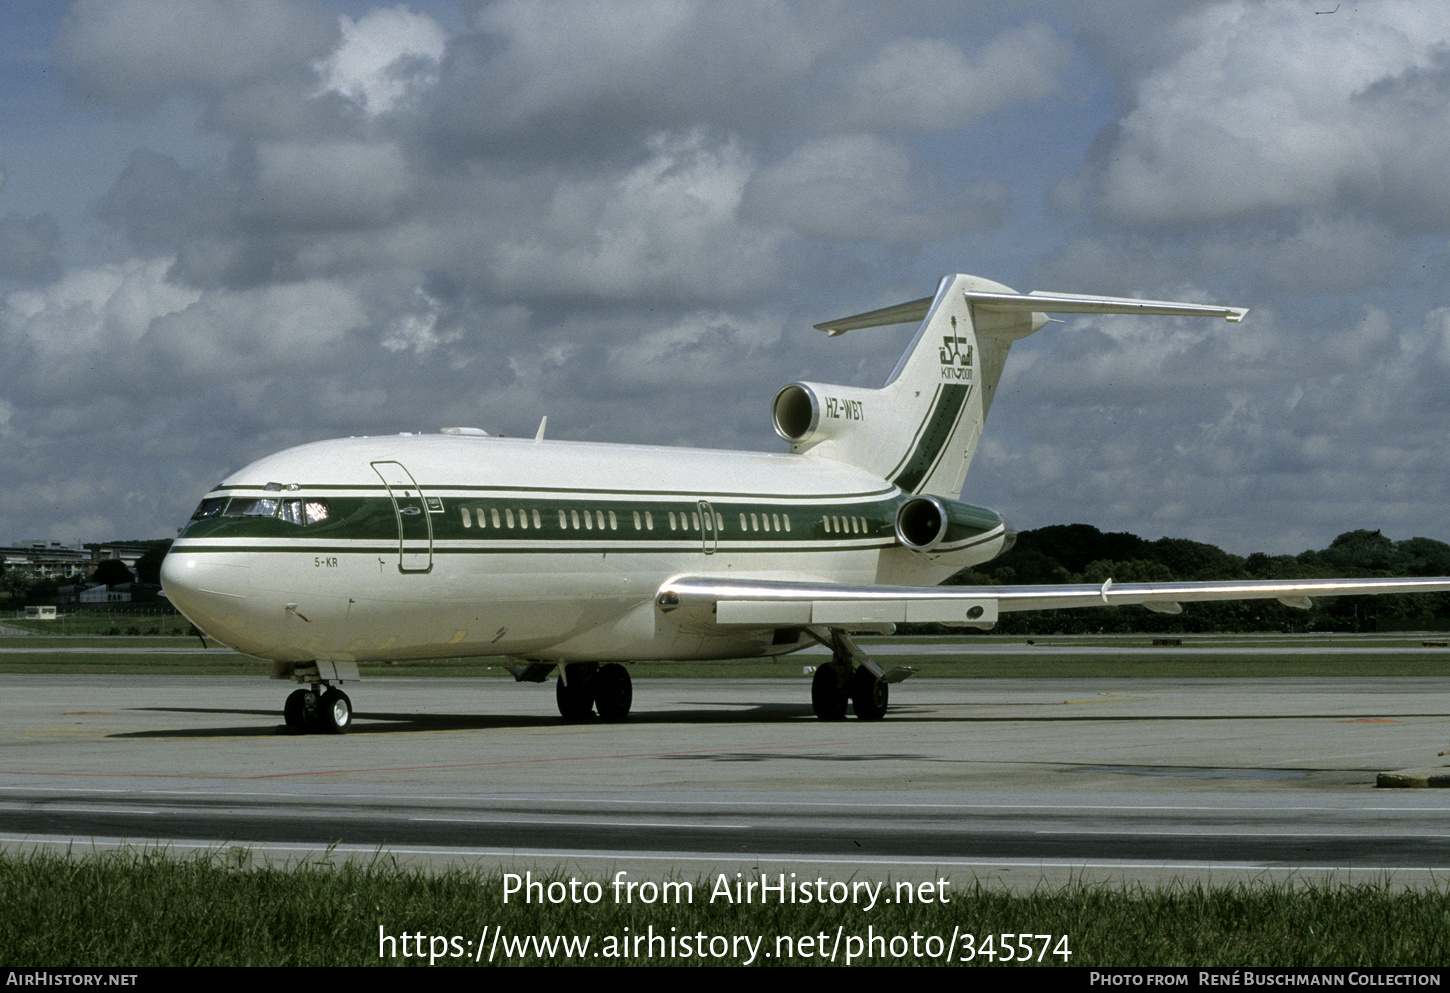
<point x="147" y="909"/>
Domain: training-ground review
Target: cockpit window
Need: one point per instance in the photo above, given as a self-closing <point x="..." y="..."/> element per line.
<point x="290" y="509"/>
<point x="210" y="507"/>
<point x="246" y="507"/>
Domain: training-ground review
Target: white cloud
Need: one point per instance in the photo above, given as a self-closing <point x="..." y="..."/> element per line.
<point x="385" y="59"/>
<point x="288" y="329"/>
<point x="693" y="350"/>
<point x="330" y="183"/>
<point x="669" y="225"/>
<point x="1268" y="109"/>
<point x="132" y="50"/>
<point x="931" y="84"/>
<point x="859" y="186"/>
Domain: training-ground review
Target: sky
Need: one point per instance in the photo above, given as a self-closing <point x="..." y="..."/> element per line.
<point x="232" y="226"/>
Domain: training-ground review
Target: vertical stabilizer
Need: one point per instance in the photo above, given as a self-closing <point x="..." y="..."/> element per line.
<point x="921" y="429"/>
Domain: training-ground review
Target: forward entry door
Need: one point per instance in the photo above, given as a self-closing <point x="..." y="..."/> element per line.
<point x="709" y="532"/>
<point x="415" y="525"/>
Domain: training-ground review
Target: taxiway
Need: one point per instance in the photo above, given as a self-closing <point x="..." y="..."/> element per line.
<point x="1012" y="783"/>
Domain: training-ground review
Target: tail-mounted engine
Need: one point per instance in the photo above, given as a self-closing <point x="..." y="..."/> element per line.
<point x="807" y="413"/>
<point x="921" y="523"/>
<point x="951" y="531"/>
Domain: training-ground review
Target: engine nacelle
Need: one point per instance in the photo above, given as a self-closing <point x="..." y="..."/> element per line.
<point x="950" y="531"/>
<point x="807" y="413"/>
<point x="921" y="523"/>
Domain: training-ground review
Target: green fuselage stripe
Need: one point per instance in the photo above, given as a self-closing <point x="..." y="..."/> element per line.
<point x="355" y="522"/>
<point x="937" y="429"/>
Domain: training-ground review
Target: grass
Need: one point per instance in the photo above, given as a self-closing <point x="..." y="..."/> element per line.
<point x="148" y="909"/>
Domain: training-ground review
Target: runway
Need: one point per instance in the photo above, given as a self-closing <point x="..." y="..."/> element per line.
<point x="1014" y="783"/>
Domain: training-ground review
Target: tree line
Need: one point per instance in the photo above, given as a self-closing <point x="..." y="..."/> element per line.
<point x="1080" y="553"/>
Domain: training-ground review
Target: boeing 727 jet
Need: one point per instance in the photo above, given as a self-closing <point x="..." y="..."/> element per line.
<point x="578" y="557"/>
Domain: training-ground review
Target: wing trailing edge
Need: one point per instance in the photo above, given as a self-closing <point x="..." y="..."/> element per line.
<point x="784" y="604"/>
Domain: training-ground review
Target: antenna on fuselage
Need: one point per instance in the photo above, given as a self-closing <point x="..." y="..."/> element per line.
<point x="539" y="436"/>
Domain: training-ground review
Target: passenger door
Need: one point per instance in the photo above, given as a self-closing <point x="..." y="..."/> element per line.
<point x="415" y="524"/>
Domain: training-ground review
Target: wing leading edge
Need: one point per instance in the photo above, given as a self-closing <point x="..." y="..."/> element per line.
<point x="766" y="603"/>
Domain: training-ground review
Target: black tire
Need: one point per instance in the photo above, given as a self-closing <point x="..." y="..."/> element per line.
<point x="576" y="700"/>
<point x="334" y="711"/>
<point x="828" y="699"/>
<point x="300" y="711"/>
<point x="613" y="692"/>
<point x="869" y="695"/>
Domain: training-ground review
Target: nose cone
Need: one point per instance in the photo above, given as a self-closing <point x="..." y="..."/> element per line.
<point x="210" y="589"/>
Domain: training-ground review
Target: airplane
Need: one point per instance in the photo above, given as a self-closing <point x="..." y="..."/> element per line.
<point x="581" y="556"/>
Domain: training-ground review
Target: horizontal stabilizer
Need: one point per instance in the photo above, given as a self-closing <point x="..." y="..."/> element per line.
<point x="902" y="313"/>
<point x="1078" y="303"/>
<point x="1039" y="302"/>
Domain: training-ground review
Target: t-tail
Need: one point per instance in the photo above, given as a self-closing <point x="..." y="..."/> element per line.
<point x="921" y="429"/>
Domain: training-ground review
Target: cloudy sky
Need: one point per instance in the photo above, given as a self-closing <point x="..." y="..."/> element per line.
<point x="231" y="226"/>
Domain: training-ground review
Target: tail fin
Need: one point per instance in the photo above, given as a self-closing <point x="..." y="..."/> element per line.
<point x="921" y="429"/>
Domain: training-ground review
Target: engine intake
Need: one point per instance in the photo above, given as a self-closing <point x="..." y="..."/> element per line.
<point x="796" y="413"/>
<point x="921" y="523"/>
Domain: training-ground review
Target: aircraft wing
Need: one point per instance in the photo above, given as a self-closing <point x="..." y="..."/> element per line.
<point x="726" y="601"/>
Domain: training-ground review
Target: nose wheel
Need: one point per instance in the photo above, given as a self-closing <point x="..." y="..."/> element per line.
<point x="307" y="711"/>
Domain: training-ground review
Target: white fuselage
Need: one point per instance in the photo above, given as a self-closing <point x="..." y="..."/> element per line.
<point x="442" y="546"/>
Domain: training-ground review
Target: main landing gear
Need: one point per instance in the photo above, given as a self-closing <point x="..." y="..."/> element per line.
<point x="584" y="687"/>
<point x="322" y="708"/>
<point x="838" y="682"/>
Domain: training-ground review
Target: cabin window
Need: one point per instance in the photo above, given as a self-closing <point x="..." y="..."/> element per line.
<point x="775" y="522"/>
<point x="743" y="525"/>
<point x="649" y="520"/>
<point x="467" y="517"/>
<point x="613" y="523"/>
<point x="508" y="516"/>
<point x="787" y="522"/>
<point x="826" y="523"/>
<point x="720" y="523"/>
<point x="563" y="521"/>
<point x="636" y="520"/>
<point x="496" y="520"/>
<point x="694" y="521"/>
<point x="588" y="521"/>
